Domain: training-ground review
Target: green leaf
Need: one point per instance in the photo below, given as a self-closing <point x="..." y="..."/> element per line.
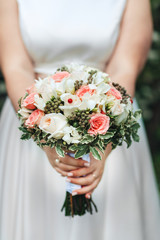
<point x="73" y="148"/>
<point x="26" y="136"/>
<point x="135" y="126"/>
<point x="19" y="102"/>
<point x="107" y="135"/>
<point x="87" y="139"/>
<point x="135" y="137"/>
<point x="81" y="152"/>
<point x="95" y="153"/>
<point x="138" y="114"/>
<point x="59" y="150"/>
<point x="100" y="144"/>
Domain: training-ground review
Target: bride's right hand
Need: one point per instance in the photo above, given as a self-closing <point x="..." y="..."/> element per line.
<point x="64" y="165"/>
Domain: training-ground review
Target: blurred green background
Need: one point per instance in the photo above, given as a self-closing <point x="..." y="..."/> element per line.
<point x="148" y="91"/>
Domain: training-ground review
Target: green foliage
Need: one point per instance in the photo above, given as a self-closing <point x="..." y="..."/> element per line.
<point x="148" y="91"/>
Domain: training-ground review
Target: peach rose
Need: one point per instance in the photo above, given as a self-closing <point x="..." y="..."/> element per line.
<point x="114" y="92"/>
<point x="28" y="102"/>
<point x="99" y="123"/>
<point x="34" y="118"/>
<point x="31" y="89"/>
<point x="59" y="76"/>
<point x="83" y="90"/>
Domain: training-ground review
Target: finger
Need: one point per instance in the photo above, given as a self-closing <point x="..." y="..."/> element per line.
<point x="85" y="189"/>
<point x="83" y="181"/>
<point x="82" y="171"/>
<point x="88" y="195"/>
<point x="74" y="162"/>
<point x="63" y="173"/>
<point x="65" y="167"/>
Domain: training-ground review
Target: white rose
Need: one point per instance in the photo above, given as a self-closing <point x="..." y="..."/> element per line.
<point x="69" y="86"/>
<point x="80" y="75"/>
<point x="103" y="88"/>
<point x="123" y="116"/>
<point x="46" y="87"/>
<point x="39" y="102"/>
<point x="71" y="135"/>
<point x="53" y="123"/>
<point x="100" y="77"/>
<point x="24" y="112"/>
<point x="75" y="67"/>
<point x="118" y="108"/>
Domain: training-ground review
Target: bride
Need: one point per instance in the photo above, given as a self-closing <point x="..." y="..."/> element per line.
<point x="36" y="37"/>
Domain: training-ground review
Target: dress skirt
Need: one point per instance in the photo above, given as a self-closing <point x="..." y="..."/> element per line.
<point x="32" y="193"/>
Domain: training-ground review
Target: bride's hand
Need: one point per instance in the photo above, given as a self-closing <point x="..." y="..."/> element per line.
<point x="89" y="177"/>
<point x="64" y="165"/>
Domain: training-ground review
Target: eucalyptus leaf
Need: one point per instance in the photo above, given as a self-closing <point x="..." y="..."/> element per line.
<point x="59" y="150"/>
<point x="80" y="153"/>
<point x="95" y="153"/>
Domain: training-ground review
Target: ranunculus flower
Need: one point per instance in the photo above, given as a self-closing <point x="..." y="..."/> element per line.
<point x="28" y="102"/>
<point x="117" y="109"/>
<point x="31" y="89"/>
<point x="54" y="123"/>
<point x="99" y="123"/>
<point x="59" y="76"/>
<point x="114" y="92"/>
<point x="83" y="90"/>
<point x="34" y="118"/>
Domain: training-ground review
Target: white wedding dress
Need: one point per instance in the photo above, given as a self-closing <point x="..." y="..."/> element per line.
<point x="31" y="191"/>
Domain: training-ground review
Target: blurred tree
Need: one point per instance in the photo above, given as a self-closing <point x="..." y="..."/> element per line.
<point x="148" y="91"/>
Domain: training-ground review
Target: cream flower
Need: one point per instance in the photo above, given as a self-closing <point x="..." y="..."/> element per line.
<point x="71" y="135"/>
<point x="39" y="102"/>
<point x="46" y="87"/>
<point x="53" y="123"/>
<point x="118" y="108"/>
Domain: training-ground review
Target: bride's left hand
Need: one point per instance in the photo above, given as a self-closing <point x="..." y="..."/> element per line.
<point x="89" y="177"/>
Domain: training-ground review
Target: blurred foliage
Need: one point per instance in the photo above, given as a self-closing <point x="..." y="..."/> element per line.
<point x="148" y="91"/>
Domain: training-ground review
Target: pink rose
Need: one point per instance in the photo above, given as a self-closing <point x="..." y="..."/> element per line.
<point x="28" y="102"/>
<point x="31" y="89"/>
<point x="99" y="123"/>
<point x="59" y="76"/>
<point x="34" y="118"/>
<point x="83" y="90"/>
<point x="114" y="92"/>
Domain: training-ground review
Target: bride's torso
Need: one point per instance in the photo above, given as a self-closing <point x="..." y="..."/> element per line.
<point x="57" y="32"/>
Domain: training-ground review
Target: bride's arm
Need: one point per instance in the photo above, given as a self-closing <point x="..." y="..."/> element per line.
<point x="133" y="44"/>
<point x="124" y="66"/>
<point x="15" y="63"/>
<point x="18" y="72"/>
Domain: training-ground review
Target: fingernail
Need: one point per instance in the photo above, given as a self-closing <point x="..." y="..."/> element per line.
<point x="86" y="164"/>
<point x="69" y="174"/>
<point x="88" y="196"/>
<point x="68" y="180"/>
<point x="74" y="193"/>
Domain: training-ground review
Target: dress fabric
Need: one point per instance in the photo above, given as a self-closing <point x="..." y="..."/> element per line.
<point x="31" y="191"/>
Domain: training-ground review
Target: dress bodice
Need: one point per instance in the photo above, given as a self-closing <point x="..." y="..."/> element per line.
<point x="57" y="32"/>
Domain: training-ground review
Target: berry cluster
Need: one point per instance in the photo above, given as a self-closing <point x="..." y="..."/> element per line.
<point x="80" y="119"/>
<point x="78" y="84"/>
<point x="52" y="106"/>
<point x="123" y="92"/>
<point x="92" y="72"/>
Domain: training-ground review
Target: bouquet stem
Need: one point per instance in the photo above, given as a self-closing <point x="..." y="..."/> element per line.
<point x="78" y="205"/>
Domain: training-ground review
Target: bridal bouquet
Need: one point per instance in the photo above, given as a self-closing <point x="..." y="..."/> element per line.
<point x="78" y="109"/>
